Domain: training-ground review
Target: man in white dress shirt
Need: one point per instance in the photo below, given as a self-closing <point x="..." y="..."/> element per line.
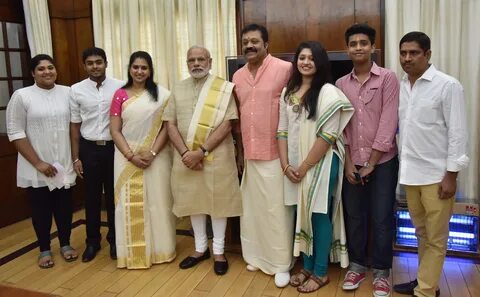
<point x="92" y="146"/>
<point x="433" y="145"/>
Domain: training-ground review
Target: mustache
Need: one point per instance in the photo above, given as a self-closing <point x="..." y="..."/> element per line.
<point x="198" y="70"/>
<point x="250" y="50"/>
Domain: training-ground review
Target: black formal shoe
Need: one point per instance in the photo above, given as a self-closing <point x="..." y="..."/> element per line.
<point x="220" y="267"/>
<point x="113" y="252"/>
<point x="408" y="288"/>
<point x="90" y="253"/>
<point x="192" y="261"/>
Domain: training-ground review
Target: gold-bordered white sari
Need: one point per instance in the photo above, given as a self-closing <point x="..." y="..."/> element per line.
<point x="144" y="222"/>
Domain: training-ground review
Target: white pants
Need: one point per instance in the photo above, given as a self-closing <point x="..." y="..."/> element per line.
<point x="199" y="225"/>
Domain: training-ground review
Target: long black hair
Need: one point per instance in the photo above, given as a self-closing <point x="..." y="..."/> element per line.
<point x="150" y="85"/>
<point x="321" y="77"/>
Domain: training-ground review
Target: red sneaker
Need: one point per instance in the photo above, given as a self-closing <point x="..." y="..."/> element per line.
<point x="352" y="280"/>
<point x="381" y="287"/>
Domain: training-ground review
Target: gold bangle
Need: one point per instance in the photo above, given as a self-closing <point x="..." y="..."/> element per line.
<point x="286" y="167"/>
<point x="76" y="160"/>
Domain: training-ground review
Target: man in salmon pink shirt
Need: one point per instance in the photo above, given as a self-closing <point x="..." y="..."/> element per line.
<point x="371" y="162"/>
<point x="266" y="226"/>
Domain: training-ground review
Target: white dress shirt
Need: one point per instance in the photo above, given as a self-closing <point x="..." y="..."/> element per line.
<point x="433" y="129"/>
<point x="90" y="106"/>
<point x="43" y="117"/>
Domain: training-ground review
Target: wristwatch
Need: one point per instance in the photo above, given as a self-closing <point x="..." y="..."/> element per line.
<point x="204" y="150"/>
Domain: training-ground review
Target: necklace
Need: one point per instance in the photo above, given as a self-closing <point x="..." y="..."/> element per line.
<point x="295" y="102"/>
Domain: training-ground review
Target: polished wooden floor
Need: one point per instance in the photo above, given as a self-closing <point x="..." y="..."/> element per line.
<point x="101" y="277"/>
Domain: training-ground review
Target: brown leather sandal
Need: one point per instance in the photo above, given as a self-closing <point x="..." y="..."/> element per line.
<point x="317" y="280"/>
<point x="295" y="279"/>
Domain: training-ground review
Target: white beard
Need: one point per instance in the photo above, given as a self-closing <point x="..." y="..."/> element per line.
<point x="198" y="75"/>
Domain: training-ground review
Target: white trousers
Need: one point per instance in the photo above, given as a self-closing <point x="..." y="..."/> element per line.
<point x="199" y="225"/>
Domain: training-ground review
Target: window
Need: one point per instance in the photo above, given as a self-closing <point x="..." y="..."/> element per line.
<point x="14" y="59"/>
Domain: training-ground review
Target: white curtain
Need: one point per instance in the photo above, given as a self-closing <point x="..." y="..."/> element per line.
<point x="165" y="29"/>
<point x="37" y="23"/>
<point x="452" y="26"/>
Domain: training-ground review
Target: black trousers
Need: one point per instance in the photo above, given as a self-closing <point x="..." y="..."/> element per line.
<point x="373" y="201"/>
<point x="97" y="161"/>
<point x="45" y="204"/>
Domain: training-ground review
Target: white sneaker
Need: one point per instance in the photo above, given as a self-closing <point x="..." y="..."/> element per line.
<point x="282" y="279"/>
<point x="251" y="268"/>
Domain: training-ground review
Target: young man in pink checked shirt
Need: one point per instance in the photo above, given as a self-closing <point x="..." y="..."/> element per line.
<point x="371" y="162"/>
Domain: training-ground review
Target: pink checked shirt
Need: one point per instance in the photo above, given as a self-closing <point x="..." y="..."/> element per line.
<point x="375" y="121"/>
<point x="259" y="106"/>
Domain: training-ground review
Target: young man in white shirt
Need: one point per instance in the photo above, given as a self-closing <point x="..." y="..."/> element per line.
<point x="92" y="146"/>
<point x="433" y="145"/>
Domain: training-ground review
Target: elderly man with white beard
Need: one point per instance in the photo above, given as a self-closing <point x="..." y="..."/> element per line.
<point x="204" y="178"/>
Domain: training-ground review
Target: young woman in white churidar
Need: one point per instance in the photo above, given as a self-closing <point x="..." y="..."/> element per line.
<point x="313" y="114"/>
<point x="144" y="223"/>
<point x="38" y="119"/>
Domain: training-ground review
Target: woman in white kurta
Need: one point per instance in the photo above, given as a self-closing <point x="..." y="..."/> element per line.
<point x="313" y="114"/>
<point x="144" y="223"/>
<point x="38" y="119"/>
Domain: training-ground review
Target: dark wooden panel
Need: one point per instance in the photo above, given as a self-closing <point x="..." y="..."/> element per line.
<point x="328" y="20"/>
<point x="286" y="24"/>
<point x="13" y="200"/>
<point x="64" y="50"/>
<point x="72" y="32"/>
<point x="69" y="9"/>
<point x="6" y="147"/>
<point x="255" y="11"/>
<point x="289" y="22"/>
<point x="11" y="11"/>
<point x="369" y="11"/>
<point x="84" y="39"/>
<point x="82" y="8"/>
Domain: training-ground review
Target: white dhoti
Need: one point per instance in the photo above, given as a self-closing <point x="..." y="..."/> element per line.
<point x="267" y="224"/>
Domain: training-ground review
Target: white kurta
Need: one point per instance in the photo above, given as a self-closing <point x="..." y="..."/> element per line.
<point x="289" y="122"/>
<point x="213" y="190"/>
<point x="43" y="117"/>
